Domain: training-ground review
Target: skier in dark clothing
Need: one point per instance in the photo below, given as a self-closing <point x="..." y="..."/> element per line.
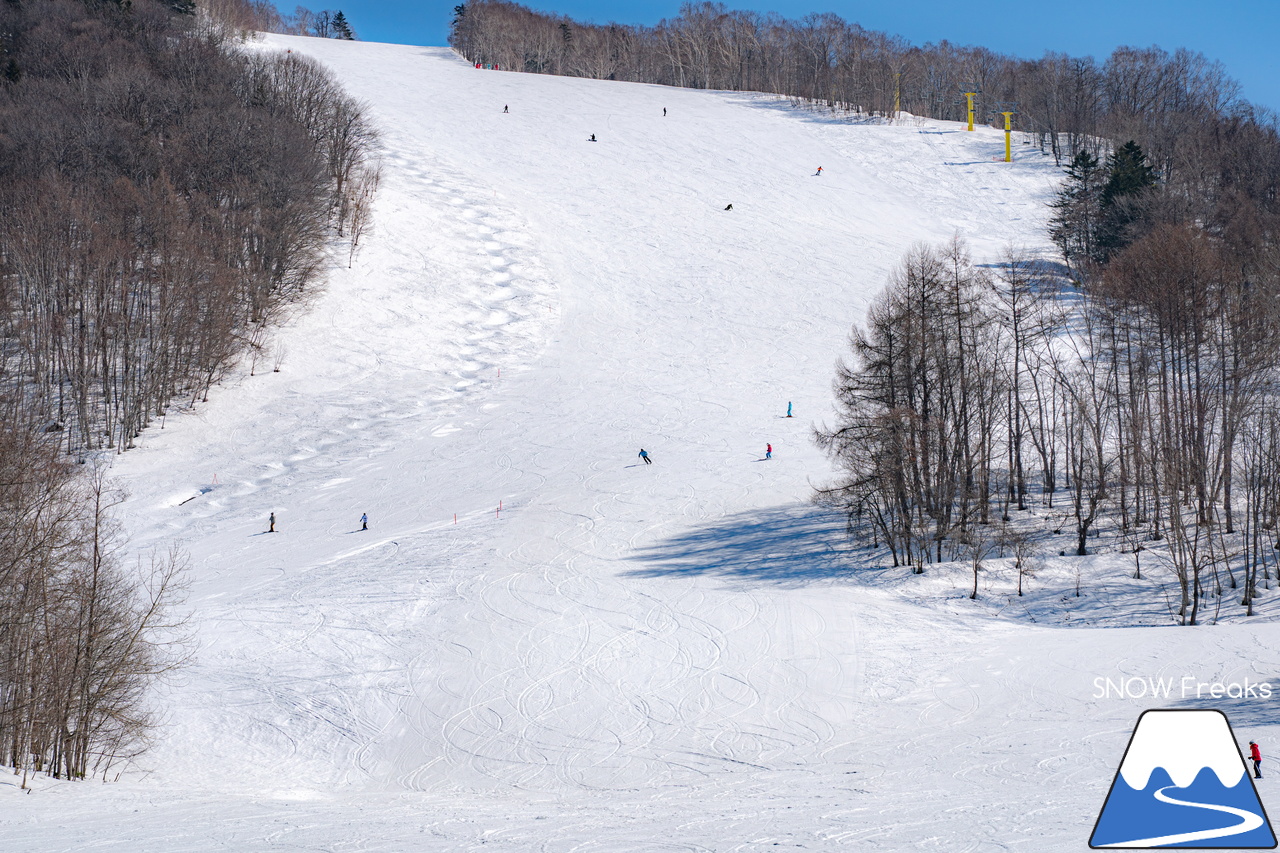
<point x="364" y="521"/>
<point x="593" y="138"/>
<point x="728" y="207"/>
<point x="664" y="112"/>
<point x="272" y="528"/>
<point x="1256" y="755"/>
<point x="504" y="108"/>
<point x="644" y="454"/>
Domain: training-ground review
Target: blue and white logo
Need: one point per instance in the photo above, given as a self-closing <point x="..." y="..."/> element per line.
<point x="1183" y="783"/>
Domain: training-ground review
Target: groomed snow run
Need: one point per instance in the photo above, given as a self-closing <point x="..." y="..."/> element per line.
<point x="625" y="657"/>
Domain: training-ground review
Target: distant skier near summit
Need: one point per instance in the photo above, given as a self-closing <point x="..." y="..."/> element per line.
<point x="1256" y="755"/>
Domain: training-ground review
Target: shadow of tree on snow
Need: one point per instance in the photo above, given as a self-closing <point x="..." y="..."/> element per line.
<point x="790" y="545"/>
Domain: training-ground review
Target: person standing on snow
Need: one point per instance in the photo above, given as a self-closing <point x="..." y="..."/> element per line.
<point x="644" y="454"/>
<point x="504" y="108"/>
<point x="768" y="451"/>
<point x="272" y="528"/>
<point x="1256" y="755"/>
<point x="364" y="521"/>
<point x="788" y="408"/>
<point x="664" y="112"/>
<point x="819" y="172"/>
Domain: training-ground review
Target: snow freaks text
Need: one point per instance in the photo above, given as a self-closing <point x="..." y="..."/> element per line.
<point x="1186" y="687"/>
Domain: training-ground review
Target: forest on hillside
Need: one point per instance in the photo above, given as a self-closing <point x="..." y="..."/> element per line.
<point x="1172" y="104"/>
<point x="167" y="197"/>
<point x="246" y="17"/>
<point x="1133" y="383"/>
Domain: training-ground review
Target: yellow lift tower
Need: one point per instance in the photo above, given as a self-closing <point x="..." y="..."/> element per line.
<point x="1008" y="110"/>
<point x="970" y="92"/>
<point x="1008" y="114"/>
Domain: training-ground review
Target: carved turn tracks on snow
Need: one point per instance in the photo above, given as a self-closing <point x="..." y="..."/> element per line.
<point x="626" y="657"/>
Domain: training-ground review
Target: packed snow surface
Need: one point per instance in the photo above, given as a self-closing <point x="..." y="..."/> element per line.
<point x="598" y="654"/>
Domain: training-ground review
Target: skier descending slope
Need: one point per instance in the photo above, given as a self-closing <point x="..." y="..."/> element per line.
<point x="1256" y="755"/>
<point x="644" y="454"/>
<point x="768" y="451"/>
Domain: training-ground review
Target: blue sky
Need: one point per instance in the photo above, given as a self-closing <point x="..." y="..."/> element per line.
<point x="1243" y="34"/>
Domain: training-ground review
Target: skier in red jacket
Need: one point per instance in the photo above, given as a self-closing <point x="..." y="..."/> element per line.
<point x="1256" y="755"/>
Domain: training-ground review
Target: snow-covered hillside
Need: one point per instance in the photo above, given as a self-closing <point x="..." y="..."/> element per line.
<point x="624" y="657"/>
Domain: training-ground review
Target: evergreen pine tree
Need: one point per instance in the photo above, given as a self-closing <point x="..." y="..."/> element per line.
<point x="341" y="28"/>
<point x="1130" y="173"/>
<point x="1129" y="178"/>
<point x="1074" y="227"/>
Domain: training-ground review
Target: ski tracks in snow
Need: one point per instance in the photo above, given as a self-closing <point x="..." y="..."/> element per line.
<point x="492" y="300"/>
<point x="315" y="639"/>
<point x="524" y="656"/>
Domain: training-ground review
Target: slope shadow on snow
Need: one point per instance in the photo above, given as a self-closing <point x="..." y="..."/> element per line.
<point x="807" y="112"/>
<point x="790" y="545"/>
<point x="1054" y="277"/>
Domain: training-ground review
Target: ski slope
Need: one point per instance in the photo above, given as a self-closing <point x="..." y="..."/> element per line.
<point x="624" y="657"/>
